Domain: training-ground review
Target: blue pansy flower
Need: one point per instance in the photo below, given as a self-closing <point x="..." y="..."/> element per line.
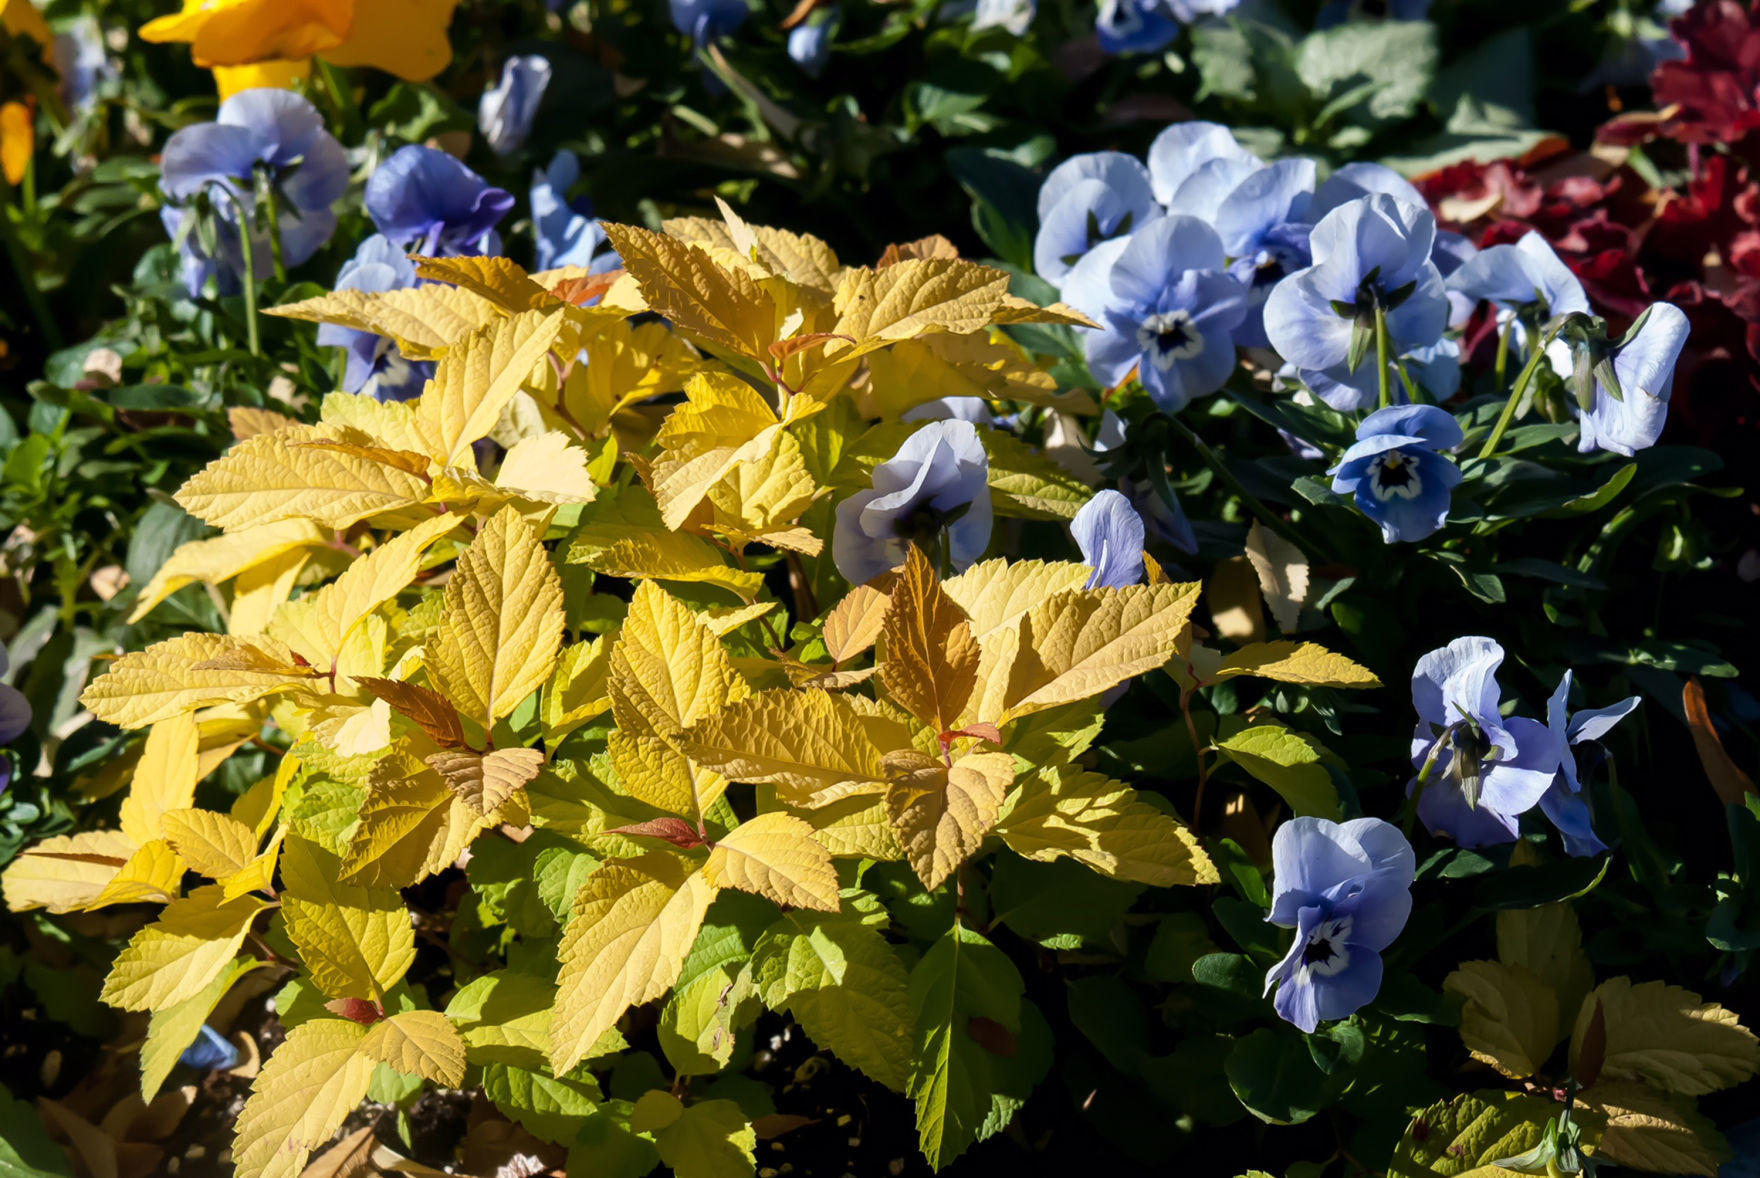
<point x="1396" y="471"/>
<point x="1086" y="200"/>
<point x="1264" y="229"/>
<point x="507" y="109"/>
<point x="1016" y="16"/>
<point x="1484" y="771"/>
<point x="265" y="136"/>
<point x="15" y="709"/>
<point x="82" y="62"/>
<point x="1373" y="252"/>
<point x="708" y="20"/>
<point x="567" y="234"/>
<point x="1564" y="804"/>
<point x="1110" y="534"/>
<point x="1436" y="369"/>
<point x="428" y="203"/>
<point x="809" y="43"/>
<point x="1337" y="12"/>
<point x="1346" y="888"/>
<point x="1194" y="165"/>
<point x="1167" y="308"/>
<point x="973" y="409"/>
<point x="210" y="1051"/>
<point x="1355" y="181"/>
<point x="374" y="366"/>
<point x="934" y="492"/>
<point x="1644" y="362"/>
<point x="1148" y="26"/>
<point x="1525" y="283"/>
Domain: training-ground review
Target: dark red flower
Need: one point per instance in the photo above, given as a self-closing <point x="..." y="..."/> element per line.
<point x="1717" y="86"/>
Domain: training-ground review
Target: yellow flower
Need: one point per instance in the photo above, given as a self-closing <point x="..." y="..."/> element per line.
<point x="250" y="43"/>
<point x="18" y="138"/>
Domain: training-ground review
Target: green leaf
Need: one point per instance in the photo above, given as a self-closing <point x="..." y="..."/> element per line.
<point x="700" y="1018"/>
<point x="1276" y="1078"/>
<point x="1460" y="1135"/>
<point x="1288" y="762"/>
<point x="709" y="1139"/>
<point x="1369" y="74"/>
<point x="25" y="1149"/>
<point x="844" y="984"/>
<point x="551" y="1108"/>
<point x="606" y="1147"/>
<point x="975" y="1062"/>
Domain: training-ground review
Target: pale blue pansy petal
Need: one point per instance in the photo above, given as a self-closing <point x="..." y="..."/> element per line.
<point x="1110" y="535"/>
<point x="1266" y="198"/>
<point x="1183" y="148"/>
<point x="1455" y="682"/>
<point x="1355" y="181"/>
<point x="1569" y="813"/>
<point x="1645" y="366"/>
<point x="15" y="713"/>
<point x="1158" y="253"/>
<point x="1118" y="172"/>
<point x="507" y="110"/>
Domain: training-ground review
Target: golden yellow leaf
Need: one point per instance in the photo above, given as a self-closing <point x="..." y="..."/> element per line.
<point x="184" y="673"/>
<point x="998" y="593"/>
<point x="799" y="257"/>
<point x="725" y="422"/>
<point x="545" y="468"/>
<point x="411" y="826"/>
<point x="479" y="375"/>
<point x="165" y="778"/>
<point x="856" y="827"/>
<point x="273" y="477"/>
<point x="424" y="320"/>
<point x="1018" y="310"/>
<point x="418" y="1043"/>
<point x="301" y="1097"/>
<point x="1065" y="812"/>
<point x="1282" y="571"/>
<point x="499" y="281"/>
<point x="260" y="591"/>
<point x="357" y="942"/>
<point x="152" y="875"/>
<point x="65" y="873"/>
<point x="1510" y="1019"/>
<point x="811" y="744"/>
<point x="486" y="780"/>
<point x="1077" y="644"/>
<point x="942" y="813"/>
<point x="633" y="924"/>
<point x="916" y="296"/>
<point x="1306" y="663"/>
<point x="931" y="659"/>
<point x="652" y="770"/>
<point x="247" y="421"/>
<point x="1648" y="1130"/>
<point x="1666" y="1036"/>
<point x="259" y="873"/>
<point x="776" y="856"/>
<point x="502" y="628"/>
<point x="174" y="957"/>
<point x="763" y="495"/>
<point x="224" y="557"/>
<point x="853" y="625"/>
<point x="216" y="845"/>
<point x="626" y="537"/>
<point x="1027" y="484"/>
<point x="668" y="670"/>
<point x="579" y="688"/>
<point x="389" y="423"/>
<point x="723" y="307"/>
<point x="319" y="624"/>
<point x="171" y="1030"/>
<point x="432" y="712"/>
<point x="916" y="371"/>
<point x="1549" y="943"/>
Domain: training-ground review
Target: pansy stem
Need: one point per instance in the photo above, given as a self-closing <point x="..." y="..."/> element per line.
<point x="250" y="266"/>
<point x="1502" y="368"/>
<point x="273" y="207"/>
<point x="1383" y="357"/>
<point x="1515" y="399"/>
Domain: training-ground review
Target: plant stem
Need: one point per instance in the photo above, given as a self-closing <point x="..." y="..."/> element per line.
<point x="273" y="206"/>
<point x="1185" y="707"/>
<point x="1383" y="358"/>
<point x="1502" y="368"/>
<point x="250" y="266"/>
<point x="1515" y="399"/>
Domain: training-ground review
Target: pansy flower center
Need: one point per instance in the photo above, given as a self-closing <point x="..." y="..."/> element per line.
<point x="1394" y="475"/>
<point x="1169" y="336"/>
<point x="1326" y="952"/>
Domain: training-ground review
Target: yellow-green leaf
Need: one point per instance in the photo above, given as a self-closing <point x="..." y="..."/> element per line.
<point x="724" y="307"/>
<point x="725" y="422"/>
<point x="668" y="669"/>
<point x="1289" y="762"/>
<point x="164" y="778"/>
<point x="273" y="477"/>
<point x="1648" y="1130"/>
<point x="998" y="593"/>
<point x="1065" y="812"/>
<point x="812" y="744"/>
<point x="1548" y="942"/>
<point x="1306" y="663"/>
<point x="65" y="873"/>
<point x="357" y="942"/>
<point x="184" y="673"/>
<point x="710" y="1139"/>
<point x="479" y="375"/>
<point x="1510" y="1016"/>
<point x="217" y="845"/>
<point x="418" y="1043"/>
<point x="224" y="557"/>
<point x="301" y="1097"/>
<point x="776" y="856"/>
<point x="486" y="780"/>
<point x="633" y="925"/>
<point x="919" y="295"/>
<point x="180" y="953"/>
<point x="942" y="812"/>
<point x="423" y="319"/>
<point x="172" y="1029"/>
<point x="1667" y="1037"/>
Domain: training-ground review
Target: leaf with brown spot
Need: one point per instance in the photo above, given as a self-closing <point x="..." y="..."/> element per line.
<point x="432" y="712"/>
<point x="485" y="780"/>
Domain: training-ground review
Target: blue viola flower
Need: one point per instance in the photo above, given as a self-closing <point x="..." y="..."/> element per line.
<point x="1016" y="16"/>
<point x="567" y="233"/>
<point x="1370" y="253"/>
<point x="1110" y="534"/>
<point x="374" y="366"/>
<point x="1483" y="771"/>
<point x="708" y="20"/>
<point x="1525" y="283"/>
<point x="934" y="492"/>
<point x="1148" y="26"/>
<point x="1194" y="165"/>
<point x="1264" y="229"/>
<point x="1452" y="251"/>
<point x="1436" y="369"/>
<point x="1563" y="803"/>
<point x="973" y="409"/>
<point x="210" y="1051"/>
<point x="1396" y="470"/>
<point x="428" y="203"/>
<point x="809" y="43"/>
<point x="1644" y="363"/>
<point x="1086" y="200"/>
<point x="507" y="109"/>
<point x="1346" y="888"/>
<point x="1167" y="308"/>
<point x="261" y="138"/>
<point x="82" y="61"/>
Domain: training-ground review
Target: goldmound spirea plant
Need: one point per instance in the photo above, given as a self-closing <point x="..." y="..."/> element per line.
<point x="554" y="665"/>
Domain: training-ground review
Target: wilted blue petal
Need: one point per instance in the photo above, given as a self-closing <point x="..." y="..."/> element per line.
<point x="507" y="109"/>
<point x="809" y="43"/>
